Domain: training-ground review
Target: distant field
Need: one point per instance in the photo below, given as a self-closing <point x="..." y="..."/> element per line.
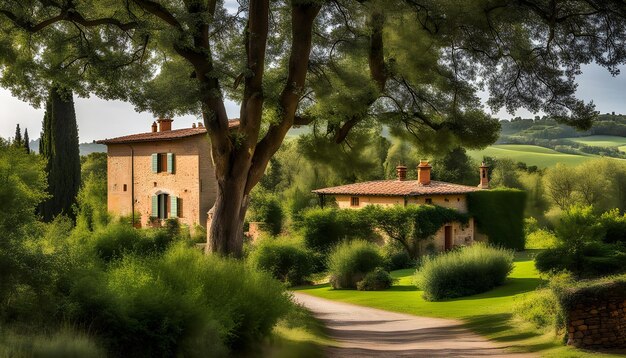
<point x="602" y="141"/>
<point x="529" y="154"/>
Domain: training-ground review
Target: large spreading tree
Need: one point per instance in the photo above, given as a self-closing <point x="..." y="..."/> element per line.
<point x="415" y="65"/>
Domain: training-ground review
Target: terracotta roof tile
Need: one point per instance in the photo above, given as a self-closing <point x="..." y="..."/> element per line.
<point x="397" y="188"/>
<point x="161" y="136"/>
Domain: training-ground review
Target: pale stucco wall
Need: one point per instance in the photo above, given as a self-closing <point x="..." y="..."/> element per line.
<point x="193" y="180"/>
<point x="461" y="234"/>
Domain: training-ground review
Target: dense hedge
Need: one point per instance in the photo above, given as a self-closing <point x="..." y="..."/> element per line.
<point x="500" y="215"/>
<point x="325" y="228"/>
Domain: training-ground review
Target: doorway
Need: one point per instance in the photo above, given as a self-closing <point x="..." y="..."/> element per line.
<point x="448" y="238"/>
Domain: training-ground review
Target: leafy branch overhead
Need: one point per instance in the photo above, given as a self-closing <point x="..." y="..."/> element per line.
<point x="416" y="66"/>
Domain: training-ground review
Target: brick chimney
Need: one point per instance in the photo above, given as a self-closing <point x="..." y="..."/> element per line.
<point x="154" y="127"/>
<point x="484" y="176"/>
<point x="423" y="172"/>
<point x="193" y="125"/>
<point x="401" y="172"/>
<point x="165" y="124"/>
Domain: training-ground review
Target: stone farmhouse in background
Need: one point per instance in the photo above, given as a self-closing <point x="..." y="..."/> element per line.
<point x="162" y="174"/>
<point x="168" y="173"/>
<point x="422" y="191"/>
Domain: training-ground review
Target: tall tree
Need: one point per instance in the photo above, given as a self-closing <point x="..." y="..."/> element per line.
<point x="26" y="141"/>
<point x="59" y="148"/>
<point x="416" y="65"/>
<point x="17" y="140"/>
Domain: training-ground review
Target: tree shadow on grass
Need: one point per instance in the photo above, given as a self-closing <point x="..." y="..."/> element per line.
<point x="500" y="328"/>
<point x="513" y="286"/>
<point x="402" y="288"/>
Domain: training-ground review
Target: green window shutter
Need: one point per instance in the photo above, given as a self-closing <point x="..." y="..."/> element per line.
<point x="174" y="207"/>
<point x="155" y="163"/>
<point x="155" y="206"/>
<point x="170" y="163"/>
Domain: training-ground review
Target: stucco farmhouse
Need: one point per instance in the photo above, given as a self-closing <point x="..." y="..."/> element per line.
<point x="162" y="174"/>
<point x="422" y="191"/>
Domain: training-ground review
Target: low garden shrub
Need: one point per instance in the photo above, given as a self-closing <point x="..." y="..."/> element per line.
<point x="467" y="271"/>
<point x="350" y="261"/>
<point x="396" y="258"/>
<point x="182" y="303"/>
<point x="377" y="280"/>
<point x="542" y="307"/>
<point x="614" y="226"/>
<point x="287" y="260"/>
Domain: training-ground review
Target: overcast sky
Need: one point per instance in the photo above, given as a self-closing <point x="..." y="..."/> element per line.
<point x="99" y="119"/>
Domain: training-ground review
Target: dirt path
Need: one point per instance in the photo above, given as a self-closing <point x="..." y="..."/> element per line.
<point x="368" y="332"/>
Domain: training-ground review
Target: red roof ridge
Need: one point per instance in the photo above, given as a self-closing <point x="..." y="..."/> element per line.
<point x="394" y="187"/>
<point x="163" y="136"/>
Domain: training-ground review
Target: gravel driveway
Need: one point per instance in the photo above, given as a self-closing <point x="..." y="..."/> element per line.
<point x="369" y="332"/>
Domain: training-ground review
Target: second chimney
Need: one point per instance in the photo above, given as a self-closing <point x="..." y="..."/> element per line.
<point x="423" y="172"/>
<point x="401" y="172"/>
<point x="484" y="176"/>
<point x="165" y="124"/>
<point x="154" y="127"/>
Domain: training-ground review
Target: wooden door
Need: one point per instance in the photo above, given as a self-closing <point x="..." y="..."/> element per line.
<point x="448" y="238"/>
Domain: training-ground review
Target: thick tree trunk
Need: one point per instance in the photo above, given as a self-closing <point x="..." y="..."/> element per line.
<point x="225" y="234"/>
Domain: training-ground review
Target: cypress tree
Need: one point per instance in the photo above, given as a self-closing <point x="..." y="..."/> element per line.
<point x="59" y="148"/>
<point x="26" y="141"/>
<point x="17" y="141"/>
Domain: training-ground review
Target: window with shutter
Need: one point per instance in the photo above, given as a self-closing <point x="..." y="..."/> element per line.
<point x="174" y="207"/>
<point x="155" y="206"/>
<point x="170" y="163"/>
<point x="155" y="163"/>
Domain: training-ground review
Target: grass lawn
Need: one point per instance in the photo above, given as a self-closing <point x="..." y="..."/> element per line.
<point x="489" y="314"/>
<point x="602" y="141"/>
<point x="529" y="154"/>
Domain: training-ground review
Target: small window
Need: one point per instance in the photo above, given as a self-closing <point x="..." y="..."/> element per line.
<point x="446" y="200"/>
<point x="163" y="162"/>
<point x="125" y="187"/>
<point x="354" y="201"/>
<point x="429" y="201"/>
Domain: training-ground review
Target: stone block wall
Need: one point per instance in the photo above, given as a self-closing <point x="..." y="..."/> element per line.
<point x="596" y="318"/>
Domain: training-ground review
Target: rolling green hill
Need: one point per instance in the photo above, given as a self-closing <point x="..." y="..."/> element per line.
<point x="530" y="154"/>
<point x="602" y="141"/>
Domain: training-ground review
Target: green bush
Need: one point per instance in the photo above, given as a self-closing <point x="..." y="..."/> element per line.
<point x="377" y="280"/>
<point x="266" y="208"/>
<point x="614" y="225"/>
<point x="467" y="271"/>
<point x="350" y="261"/>
<point x="541" y="308"/>
<point x="500" y="215"/>
<point x="287" y="260"/>
<point x="181" y="303"/>
<point x="541" y="239"/>
<point x="64" y="344"/>
<point x="396" y="258"/>
<point x="118" y="239"/>
<point x="325" y="228"/>
<point x="593" y="260"/>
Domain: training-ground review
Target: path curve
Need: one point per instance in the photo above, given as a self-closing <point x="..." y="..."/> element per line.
<point x="369" y="332"/>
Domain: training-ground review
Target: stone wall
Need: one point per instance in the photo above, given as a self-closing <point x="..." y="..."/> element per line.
<point x="596" y="317"/>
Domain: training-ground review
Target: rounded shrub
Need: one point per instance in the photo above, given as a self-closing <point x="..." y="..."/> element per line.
<point x="350" y="261"/>
<point x="377" y="280"/>
<point x="287" y="260"/>
<point x="541" y="239"/>
<point x="467" y="271"/>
